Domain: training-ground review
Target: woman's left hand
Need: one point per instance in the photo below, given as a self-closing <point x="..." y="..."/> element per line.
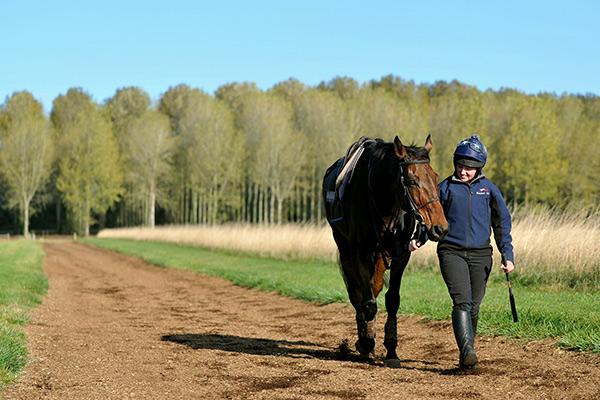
<point x="413" y="245"/>
<point x="508" y="266"/>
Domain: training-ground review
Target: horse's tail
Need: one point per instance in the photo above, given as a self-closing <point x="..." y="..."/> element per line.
<point x="379" y="278"/>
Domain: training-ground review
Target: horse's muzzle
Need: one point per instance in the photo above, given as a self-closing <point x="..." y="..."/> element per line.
<point x="437" y="232"/>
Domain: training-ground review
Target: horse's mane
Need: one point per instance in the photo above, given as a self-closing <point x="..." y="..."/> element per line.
<point x="380" y="149"/>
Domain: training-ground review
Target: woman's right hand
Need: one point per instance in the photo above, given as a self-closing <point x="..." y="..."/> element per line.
<point x="508" y="266"/>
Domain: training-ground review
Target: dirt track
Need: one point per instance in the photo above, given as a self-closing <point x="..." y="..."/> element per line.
<point x="113" y="327"/>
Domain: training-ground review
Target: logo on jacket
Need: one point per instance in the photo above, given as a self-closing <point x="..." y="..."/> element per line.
<point x="483" y="191"/>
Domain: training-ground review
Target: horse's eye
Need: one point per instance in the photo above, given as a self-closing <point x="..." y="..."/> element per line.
<point x="412" y="181"/>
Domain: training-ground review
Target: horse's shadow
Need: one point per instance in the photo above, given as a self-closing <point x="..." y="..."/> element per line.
<point x="256" y="346"/>
<point x="287" y="348"/>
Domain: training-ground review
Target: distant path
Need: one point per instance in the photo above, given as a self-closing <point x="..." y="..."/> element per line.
<point x="113" y="327"/>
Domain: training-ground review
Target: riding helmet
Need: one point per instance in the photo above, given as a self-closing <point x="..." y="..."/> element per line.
<point x="470" y="152"/>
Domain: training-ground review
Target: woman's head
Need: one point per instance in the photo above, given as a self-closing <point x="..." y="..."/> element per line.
<point x="470" y="152"/>
<point x="464" y="172"/>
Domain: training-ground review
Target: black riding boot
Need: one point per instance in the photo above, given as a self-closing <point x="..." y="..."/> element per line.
<point x="463" y="332"/>
<point x="474" y="325"/>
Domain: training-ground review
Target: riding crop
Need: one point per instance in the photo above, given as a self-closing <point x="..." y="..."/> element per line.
<point x="513" y="306"/>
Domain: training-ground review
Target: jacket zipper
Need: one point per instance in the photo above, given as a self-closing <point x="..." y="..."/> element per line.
<point x="470" y="217"/>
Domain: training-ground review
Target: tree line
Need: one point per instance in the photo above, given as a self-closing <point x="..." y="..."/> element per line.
<point x="244" y="154"/>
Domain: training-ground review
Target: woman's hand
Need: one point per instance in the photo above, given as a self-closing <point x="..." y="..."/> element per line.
<point x="507" y="266"/>
<point x="413" y="245"/>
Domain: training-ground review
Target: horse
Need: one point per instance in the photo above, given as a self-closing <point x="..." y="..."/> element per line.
<point x="377" y="198"/>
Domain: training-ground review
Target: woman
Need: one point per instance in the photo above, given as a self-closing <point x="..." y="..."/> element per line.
<point x="474" y="207"/>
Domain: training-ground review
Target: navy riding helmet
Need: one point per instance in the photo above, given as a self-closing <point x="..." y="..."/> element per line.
<point x="471" y="152"/>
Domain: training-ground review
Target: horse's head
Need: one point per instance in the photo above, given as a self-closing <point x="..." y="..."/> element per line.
<point x="421" y="182"/>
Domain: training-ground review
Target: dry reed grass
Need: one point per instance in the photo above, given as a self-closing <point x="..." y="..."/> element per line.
<point x="545" y="242"/>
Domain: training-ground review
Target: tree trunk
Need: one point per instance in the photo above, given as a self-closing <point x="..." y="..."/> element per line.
<point x="252" y="217"/>
<point x="85" y="220"/>
<point x="151" y="206"/>
<point x="319" y="203"/>
<point x="261" y="205"/>
<point x="279" y="211"/>
<point x="271" y="208"/>
<point x="26" y="220"/>
<point x="215" y="206"/>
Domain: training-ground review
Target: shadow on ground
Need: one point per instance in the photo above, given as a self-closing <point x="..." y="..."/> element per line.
<point x="287" y="348"/>
<point x="256" y="346"/>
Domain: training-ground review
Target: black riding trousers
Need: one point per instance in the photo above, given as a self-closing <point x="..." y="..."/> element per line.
<point x="466" y="273"/>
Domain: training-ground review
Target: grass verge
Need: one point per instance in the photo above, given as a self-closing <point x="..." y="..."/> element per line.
<point x="572" y="317"/>
<point x="22" y="287"/>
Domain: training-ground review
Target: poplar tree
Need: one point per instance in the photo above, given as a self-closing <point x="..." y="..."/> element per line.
<point x="322" y="118"/>
<point x="147" y="146"/>
<point x="208" y="154"/>
<point x="26" y="153"/>
<point x="128" y="104"/>
<point x="279" y="150"/>
<point x="89" y="168"/>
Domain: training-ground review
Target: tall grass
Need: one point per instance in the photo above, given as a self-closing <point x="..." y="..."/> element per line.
<point x="552" y="248"/>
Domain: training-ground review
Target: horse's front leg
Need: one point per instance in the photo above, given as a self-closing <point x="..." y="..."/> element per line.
<point x="392" y="304"/>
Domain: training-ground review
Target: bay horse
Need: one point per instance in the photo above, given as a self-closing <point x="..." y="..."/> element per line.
<point x="377" y="198"/>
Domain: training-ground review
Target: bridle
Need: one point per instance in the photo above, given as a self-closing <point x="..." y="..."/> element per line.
<point x="414" y="208"/>
<point x="391" y="227"/>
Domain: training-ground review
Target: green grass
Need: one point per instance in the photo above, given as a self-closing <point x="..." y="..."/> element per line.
<point x="572" y="317"/>
<point x="22" y="287"/>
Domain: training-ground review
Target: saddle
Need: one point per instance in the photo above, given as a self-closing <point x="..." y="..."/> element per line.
<point x="338" y="177"/>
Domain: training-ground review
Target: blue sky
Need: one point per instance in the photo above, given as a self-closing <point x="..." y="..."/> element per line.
<point x="47" y="47"/>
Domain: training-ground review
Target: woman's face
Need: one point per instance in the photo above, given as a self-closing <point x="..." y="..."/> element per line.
<point x="464" y="173"/>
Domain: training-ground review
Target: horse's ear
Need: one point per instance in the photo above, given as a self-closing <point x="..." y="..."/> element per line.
<point x="428" y="144"/>
<point x="399" y="148"/>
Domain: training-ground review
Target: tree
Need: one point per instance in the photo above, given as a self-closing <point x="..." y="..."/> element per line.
<point x="208" y="154"/>
<point x="27" y="151"/>
<point x="126" y="105"/>
<point x="277" y="150"/>
<point x="89" y="168"/>
<point x="530" y="167"/>
<point x="147" y="147"/>
<point x="322" y="118"/>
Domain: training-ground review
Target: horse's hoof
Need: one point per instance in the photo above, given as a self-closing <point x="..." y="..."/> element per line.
<point x="392" y="363"/>
<point x="368" y="357"/>
<point x="365" y="346"/>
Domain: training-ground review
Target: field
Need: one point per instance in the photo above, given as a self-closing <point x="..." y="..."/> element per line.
<point x="572" y="317"/>
<point x="110" y="321"/>
<point x="115" y="327"/>
<point x="559" y="249"/>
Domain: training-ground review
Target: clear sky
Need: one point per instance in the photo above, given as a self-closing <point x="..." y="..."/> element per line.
<point x="47" y="47"/>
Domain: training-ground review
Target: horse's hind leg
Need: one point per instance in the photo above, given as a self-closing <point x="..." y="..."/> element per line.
<point x="392" y="304"/>
<point x="361" y="297"/>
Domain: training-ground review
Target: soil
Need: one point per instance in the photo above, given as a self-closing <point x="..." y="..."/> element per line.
<point x="114" y="327"/>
